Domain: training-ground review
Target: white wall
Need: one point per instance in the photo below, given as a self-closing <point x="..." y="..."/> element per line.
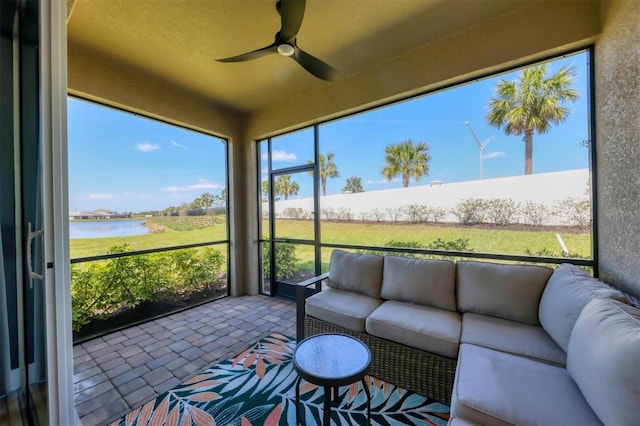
<point x="544" y="188"/>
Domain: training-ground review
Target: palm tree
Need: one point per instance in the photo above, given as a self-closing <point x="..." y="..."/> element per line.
<point x="206" y="200"/>
<point x="284" y="186"/>
<point x="408" y="160"/>
<point x="327" y="169"/>
<point x="531" y="104"/>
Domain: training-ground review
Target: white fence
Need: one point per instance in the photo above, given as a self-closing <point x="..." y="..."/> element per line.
<point x="546" y="189"/>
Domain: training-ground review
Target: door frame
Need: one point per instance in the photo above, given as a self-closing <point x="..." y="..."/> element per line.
<point x="277" y="287"/>
<point x="280" y="288"/>
<point x="53" y="83"/>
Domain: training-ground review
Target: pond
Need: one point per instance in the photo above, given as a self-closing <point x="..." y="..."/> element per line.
<point x="106" y="228"/>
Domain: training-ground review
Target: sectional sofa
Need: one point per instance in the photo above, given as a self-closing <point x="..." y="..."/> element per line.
<point x="503" y="344"/>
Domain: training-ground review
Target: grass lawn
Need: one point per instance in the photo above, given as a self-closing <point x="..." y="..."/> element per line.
<point x="170" y="237"/>
<point x="481" y="239"/>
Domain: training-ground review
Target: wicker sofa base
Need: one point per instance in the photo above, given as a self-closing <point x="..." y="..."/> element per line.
<point x="415" y="370"/>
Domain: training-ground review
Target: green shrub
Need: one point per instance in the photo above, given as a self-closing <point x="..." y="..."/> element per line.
<point x="404" y="244"/>
<point x="102" y="288"/>
<point x="293" y="213"/>
<point x="394" y="213"/>
<point x="416" y="212"/>
<point x="545" y="252"/>
<point x="460" y="244"/>
<point x="470" y="211"/>
<point x="344" y="214"/>
<point x="501" y="212"/>
<point x="574" y="211"/>
<point x="328" y="213"/>
<point x="435" y="214"/>
<point x="533" y="213"/>
<point x="286" y="260"/>
<point x="378" y="215"/>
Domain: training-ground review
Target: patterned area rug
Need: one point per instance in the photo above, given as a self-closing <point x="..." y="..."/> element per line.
<point x="257" y="387"/>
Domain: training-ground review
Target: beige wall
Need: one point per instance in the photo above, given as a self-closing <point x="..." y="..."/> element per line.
<point x="243" y="197"/>
<point x="533" y="32"/>
<point x="106" y="81"/>
<point x="617" y="69"/>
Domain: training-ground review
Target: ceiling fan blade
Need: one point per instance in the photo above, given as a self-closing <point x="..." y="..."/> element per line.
<point x="315" y="66"/>
<point x="251" y="55"/>
<point x="291" y="14"/>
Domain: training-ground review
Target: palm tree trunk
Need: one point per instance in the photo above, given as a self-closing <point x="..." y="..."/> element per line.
<point x="324" y="186"/>
<point x="528" y="153"/>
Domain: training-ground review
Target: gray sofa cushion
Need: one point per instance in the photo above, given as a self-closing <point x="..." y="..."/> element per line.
<point x="423" y="327"/>
<point x="604" y="360"/>
<point x="569" y="289"/>
<point x="505" y="291"/>
<point x="361" y="273"/>
<point x="496" y="388"/>
<point x="425" y="282"/>
<point x="459" y="421"/>
<point x="510" y="336"/>
<point x="347" y="309"/>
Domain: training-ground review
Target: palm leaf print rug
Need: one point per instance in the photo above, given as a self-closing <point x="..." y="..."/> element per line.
<point x="257" y="387"/>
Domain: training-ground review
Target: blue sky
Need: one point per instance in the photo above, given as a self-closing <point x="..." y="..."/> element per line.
<point x="439" y="120"/>
<point x="124" y="162"/>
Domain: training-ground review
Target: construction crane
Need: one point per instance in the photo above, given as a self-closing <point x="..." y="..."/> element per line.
<point x="481" y="146"/>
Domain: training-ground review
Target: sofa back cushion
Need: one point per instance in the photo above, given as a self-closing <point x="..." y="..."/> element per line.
<point x="604" y="360"/>
<point x="505" y="291"/>
<point x="424" y="282"/>
<point x="569" y="289"/>
<point x="361" y="273"/>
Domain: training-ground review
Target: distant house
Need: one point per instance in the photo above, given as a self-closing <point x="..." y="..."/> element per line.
<point x="96" y="214"/>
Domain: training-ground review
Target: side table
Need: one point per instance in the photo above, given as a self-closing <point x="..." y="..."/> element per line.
<point x="331" y="360"/>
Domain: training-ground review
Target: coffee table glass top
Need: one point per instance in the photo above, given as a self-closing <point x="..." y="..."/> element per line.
<point x="332" y="356"/>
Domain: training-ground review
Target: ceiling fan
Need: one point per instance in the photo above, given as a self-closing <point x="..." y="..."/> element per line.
<point x="291" y="14"/>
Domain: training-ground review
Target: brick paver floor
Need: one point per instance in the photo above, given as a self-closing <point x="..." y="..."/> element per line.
<point x="120" y="371"/>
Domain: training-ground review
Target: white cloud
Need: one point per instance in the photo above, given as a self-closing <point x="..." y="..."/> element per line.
<point x="494" y="154"/>
<point x="203" y="184"/>
<point x="277" y="155"/>
<point x="369" y="182"/>
<point x="176" y="144"/>
<point x="95" y="196"/>
<point x="394" y="180"/>
<point x="147" y="147"/>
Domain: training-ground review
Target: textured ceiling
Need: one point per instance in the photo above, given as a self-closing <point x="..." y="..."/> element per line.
<point x="178" y="40"/>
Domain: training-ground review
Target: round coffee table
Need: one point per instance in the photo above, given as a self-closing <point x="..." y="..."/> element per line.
<point x="331" y="361"/>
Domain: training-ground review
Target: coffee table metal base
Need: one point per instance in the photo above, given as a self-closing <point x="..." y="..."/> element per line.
<point x="326" y="415"/>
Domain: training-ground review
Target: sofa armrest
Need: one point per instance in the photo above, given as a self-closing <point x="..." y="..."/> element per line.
<point x="301" y="295"/>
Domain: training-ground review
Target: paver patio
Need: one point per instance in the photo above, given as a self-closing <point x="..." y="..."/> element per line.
<point x="122" y="370"/>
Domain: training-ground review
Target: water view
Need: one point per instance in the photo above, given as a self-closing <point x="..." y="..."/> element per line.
<point x="106" y="228"/>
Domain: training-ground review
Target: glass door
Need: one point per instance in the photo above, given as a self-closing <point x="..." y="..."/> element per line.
<point x="24" y="373"/>
<point x="289" y="219"/>
<point x="36" y="353"/>
<point x="294" y="228"/>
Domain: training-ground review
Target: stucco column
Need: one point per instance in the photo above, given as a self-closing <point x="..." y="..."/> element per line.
<point x="243" y="215"/>
<point x="617" y="61"/>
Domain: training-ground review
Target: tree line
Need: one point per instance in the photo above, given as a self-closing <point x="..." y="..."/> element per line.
<point x="203" y="205"/>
